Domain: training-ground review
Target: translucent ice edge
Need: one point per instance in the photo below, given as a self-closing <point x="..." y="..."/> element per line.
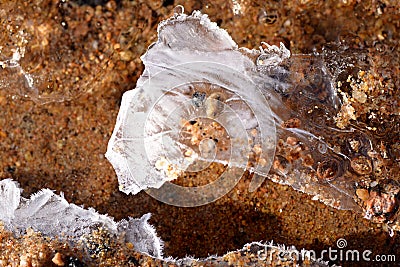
<point x="13" y="63"/>
<point x="53" y="216"/>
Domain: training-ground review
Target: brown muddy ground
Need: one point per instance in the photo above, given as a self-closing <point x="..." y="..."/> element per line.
<point x="61" y="144"/>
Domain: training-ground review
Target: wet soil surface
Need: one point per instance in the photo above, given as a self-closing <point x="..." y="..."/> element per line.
<point x="56" y="137"/>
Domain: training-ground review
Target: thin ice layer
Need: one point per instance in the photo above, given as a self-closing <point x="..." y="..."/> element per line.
<point x="35" y="52"/>
<point x="203" y="100"/>
<point x="194" y="72"/>
<point x="53" y="216"/>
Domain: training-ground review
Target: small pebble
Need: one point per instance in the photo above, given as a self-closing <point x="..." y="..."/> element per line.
<point x="57" y="259"/>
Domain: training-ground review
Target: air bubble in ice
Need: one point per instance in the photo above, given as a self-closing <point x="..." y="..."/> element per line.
<point x="198" y="99"/>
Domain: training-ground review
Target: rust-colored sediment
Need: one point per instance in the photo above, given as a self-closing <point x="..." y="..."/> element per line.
<point x="61" y="145"/>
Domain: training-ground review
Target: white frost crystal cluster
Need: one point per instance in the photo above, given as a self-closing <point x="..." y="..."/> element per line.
<point x="53" y="216"/>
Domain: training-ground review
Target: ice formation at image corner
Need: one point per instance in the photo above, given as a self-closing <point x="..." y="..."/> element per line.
<point x="53" y="216"/>
<point x="191" y="50"/>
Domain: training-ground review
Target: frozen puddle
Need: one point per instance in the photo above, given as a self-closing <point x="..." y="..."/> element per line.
<point x="198" y="85"/>
<point x="202" y="101"/>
